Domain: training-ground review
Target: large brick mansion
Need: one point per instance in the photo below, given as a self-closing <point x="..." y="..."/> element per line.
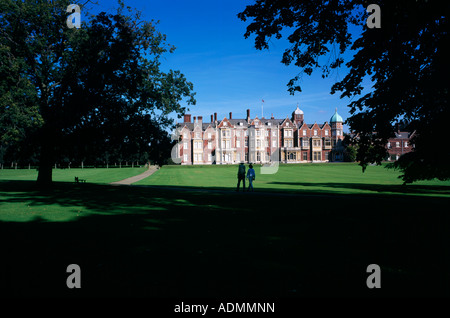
<point x="259" y="140"/>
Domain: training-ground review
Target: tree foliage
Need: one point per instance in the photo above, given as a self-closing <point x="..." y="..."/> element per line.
<point x="89" y="92"/>
<point x="406" y="60"/>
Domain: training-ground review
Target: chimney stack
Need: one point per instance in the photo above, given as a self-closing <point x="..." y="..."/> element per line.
<point x="195" y="119"/>
<point x="187" y="118"/>
<point x="215" y="116"/>
<point x="272" y="117"/>
<point x="212" y="118"/>
<point x="200" y="119"/>
<point x="248" y="114"/>
<point x="230" y="116"/>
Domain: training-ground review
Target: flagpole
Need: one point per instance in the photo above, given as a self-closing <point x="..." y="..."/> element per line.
<point x="262" y="108"/>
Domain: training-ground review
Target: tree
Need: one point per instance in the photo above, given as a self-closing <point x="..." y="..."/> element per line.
<point x="80" y="92"/>
<point x="406" y="60"/>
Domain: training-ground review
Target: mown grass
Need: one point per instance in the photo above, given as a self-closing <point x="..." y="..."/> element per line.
<point x="339" y="178"/>
<point x="91" y="175"/>
<point x="192" y="242"/>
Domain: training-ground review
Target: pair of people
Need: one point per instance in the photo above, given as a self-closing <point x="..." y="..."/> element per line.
<point x="241" y="177"/>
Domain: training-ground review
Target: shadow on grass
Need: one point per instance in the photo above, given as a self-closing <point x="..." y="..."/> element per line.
<point x="379" y="188"/>
<point x="140" y="241"/>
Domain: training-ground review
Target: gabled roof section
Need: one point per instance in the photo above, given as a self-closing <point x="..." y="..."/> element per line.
<point x="225" y="123"/>
<point x="325" y="125"/>
<point x="287" y="123"/>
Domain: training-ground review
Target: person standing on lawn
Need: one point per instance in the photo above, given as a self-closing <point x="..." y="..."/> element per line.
<point x="241" y="176"/>
<point x="251" y="177"/>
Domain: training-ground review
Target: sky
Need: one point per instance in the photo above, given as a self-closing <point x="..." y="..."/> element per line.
<point x="228" y="73"/>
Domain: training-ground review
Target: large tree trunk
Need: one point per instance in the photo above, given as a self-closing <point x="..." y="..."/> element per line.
<point x="46" y="159"/>
<point x="45" y="173"/>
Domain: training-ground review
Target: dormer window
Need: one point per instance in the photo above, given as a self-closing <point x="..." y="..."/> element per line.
<point x="225" y="124"/>
<point x="269" y="124"/>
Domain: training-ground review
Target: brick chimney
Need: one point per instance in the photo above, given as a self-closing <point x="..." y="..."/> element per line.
<point x="231" y="115"/>
<point x="272" y="117"/>
<point x="215" y="116"/>
<point x="200" y="120"/>
<point x="187" y="118"/>
<point x="212" y="118"/>
<point x="248" y="114"/>
<point x="195" y="119"/>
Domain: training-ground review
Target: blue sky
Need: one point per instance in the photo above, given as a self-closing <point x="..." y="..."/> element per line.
<point x="228" y="73"/>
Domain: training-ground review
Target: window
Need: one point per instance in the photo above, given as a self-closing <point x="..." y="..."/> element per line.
<point x="406" y="144"/>
<point x="225" y="124"/>
<point x="185" y="145"/>
<point x="338" y="132"/>
<point x="228" y="133"/>
<point x="258" y="156"/>
<point x="209" y="157"/>
<point x="197" y="135"/>
<point x="185" y="135"/>
<point x="326" y="155"/>
<point x="246" y="142"/>
<point x="246" y="156"/>
<point x="315" y="132"/>
<point x="305" y="143"/>
<point x="238" y="143"/>
<point x="238" y="133"/>
<point x="316" y="143"/>
<point x="389" y="145"/>
<point x="274" y="133"/>
<point x="305" y="156"/>
<point x="257" y="133"/>
<point x="267" y="133"/>
<point x="209" y="135"/>
<point x="224" y="133"/>
<point x="185" y="159"/>
<point x="228" y="144"/>
<point x="267" y="143"/>
<point x="209" y="145"/>
<point x="274" y="143"/>
<point x="304" y="132"/>
<point x="326" y="132"/>
<point x="246" y="133"/>
<point x="327" y="143"/>
<point x="258" y="143"/>
<point x="397" y="144"/>
<point x="316" y="156"/>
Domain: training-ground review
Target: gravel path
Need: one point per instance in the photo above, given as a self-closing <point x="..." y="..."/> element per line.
<point x="141" y="176"/>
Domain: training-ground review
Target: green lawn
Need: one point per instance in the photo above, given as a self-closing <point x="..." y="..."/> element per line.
<point x="190" y="242"/>
<point x="338" y="178"/>
<point x="91" y="175"/>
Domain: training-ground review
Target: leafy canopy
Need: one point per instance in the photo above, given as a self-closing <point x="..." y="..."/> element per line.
<point x="83" y="92"/>
<point x="406" y="60"/>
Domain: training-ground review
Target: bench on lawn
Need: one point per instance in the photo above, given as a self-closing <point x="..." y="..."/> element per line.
<point x="78" y="180"/>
